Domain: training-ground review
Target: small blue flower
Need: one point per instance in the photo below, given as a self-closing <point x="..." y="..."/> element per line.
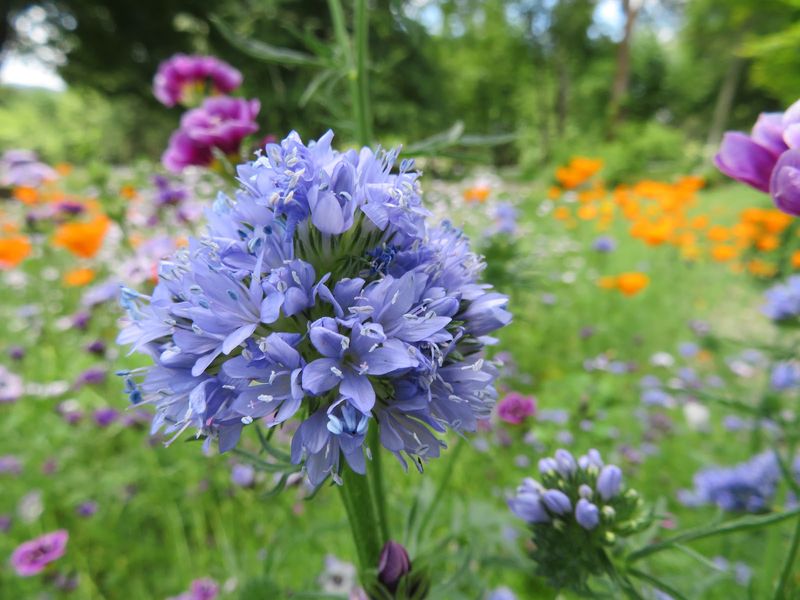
<point x="609" y="481"/>
<point x="587" y="514"/>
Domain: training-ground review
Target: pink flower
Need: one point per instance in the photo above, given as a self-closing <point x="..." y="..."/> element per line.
<point x="182" y="77"/>
<point x="33" y="556"/>
<point x="515" y="408"/>
<point x="221" y="122"/>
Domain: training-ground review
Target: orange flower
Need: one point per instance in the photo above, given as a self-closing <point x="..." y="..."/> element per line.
<point x="561" y="213"/>
<point x="587" y="212"/>
<point x="26" y="195"/>
<point x="723" y="253"/>
<point x="83" y="239"/>
<point x="761" y="268"/>
<point x="796" y="259"/>
<point x="699" y="222"/>
<point x="690" y="252"/>
<point x="128" y="192"/>
<point x="554" y="192"/>
<point x="579" y="170"/>
<point x="477" y="193"/>
<point x="63" y="169"/>
<point x="632" y="283"/>
<point x="776" y="221"/>
<point x="717" y="233"/>
<point x="13" y="250"/>
<point x="607" y="283"/>
<point x="79" y="277"/>
<point x="657" y="233"/>
<point x="767" y="243"/>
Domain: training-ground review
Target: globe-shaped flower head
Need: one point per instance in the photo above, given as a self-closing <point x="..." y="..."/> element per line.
<point x="320" y="293"/>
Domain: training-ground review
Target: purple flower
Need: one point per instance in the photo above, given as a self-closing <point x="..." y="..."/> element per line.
<point x="10" y="465"/>
<point x="566" y="464"/>
<point x="784" y="185"/>
<point x="97" y="347"/>
<point x="167" y="194"/>
<point x="515" y="408"/>
<point x="91" y="376"/>
<point x="587" y="514"/>
<point x="743" y="159"/>
<point x="556" y="502"/>
<point x="609" y="482"/>
<point x="33" y="556"/>
<point x="22" y="168"/>
<point x="783" y="300"/>
<point x="70" y="410"/>
<point x="749" y="486"/>
<point x="80" y="320"/>
<point x="182" y="78"/>
<point x="105" y="416"/>
<point x="501" y="593"/>
<point x="393" y="564"/>
<point x="200" y="589"/>
<point x="768" y="159"/>
<point x="319" y="293"/>
<point x="243" y="475"/>
<point x="16" y="352"/>
<point x="591" y="459"/>
<point x="785" y="376"/>
<point x="87" y="508"/>
<point x="11" y="388"/>
<point x="5" y="523"/>
<point x="527" y="504"/>
<point x="604" y="244"/>
<point x="220" y="123"/>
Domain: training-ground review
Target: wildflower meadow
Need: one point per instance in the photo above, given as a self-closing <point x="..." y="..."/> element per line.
<point x="400" y="300"/>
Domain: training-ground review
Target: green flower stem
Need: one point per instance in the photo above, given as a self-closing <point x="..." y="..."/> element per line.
<point x="362" y="108"/>
<point x="788" y="566"/>
<point x="355" y="64"/>
<point x="699" y="533"/>
<point x="444" y="483"/>
<point x="359" y="505"/>
<point x="656" y="583"/>
<point x="375" y="475"/>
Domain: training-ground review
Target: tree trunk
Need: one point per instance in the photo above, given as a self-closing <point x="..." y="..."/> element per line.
<point x="619" y="89"/>
<point x="724" y="103"/>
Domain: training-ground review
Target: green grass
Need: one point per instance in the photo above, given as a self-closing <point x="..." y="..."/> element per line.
<point x="169" y="515"/>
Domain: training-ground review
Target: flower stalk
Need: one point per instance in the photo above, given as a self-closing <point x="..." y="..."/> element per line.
<point x="357" y="497"/>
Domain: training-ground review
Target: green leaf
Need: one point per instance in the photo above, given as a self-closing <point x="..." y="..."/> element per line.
<point x="262" y="50"/>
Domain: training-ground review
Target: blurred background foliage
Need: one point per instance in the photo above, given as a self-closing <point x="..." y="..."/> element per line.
<point x="626" y="80"/>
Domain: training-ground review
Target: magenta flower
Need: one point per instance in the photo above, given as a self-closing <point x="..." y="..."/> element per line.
<point x="182" y="77"/>
<point x="33" y="556"/>
<point x="515" y="408"/>
<point x="221" y="122"/>
<point x="768" y="159"/>
<point x="200" y="589"/>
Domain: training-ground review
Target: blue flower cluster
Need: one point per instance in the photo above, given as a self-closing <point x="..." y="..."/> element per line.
<point x="320" y="292"/>
<point x="783" y="300"/>
<point x="576" y="511"/>
<point x="747" y="487"/>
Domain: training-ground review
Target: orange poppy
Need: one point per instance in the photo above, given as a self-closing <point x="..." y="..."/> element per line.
<point x="83" y="238"/>
<point x="13" y="250"/>
<point x="79" y="277"/>
<point x="723" y="253"/>
<point x="477" y="193"/>
<point x="632" y="283"/>
<point x="26" y="195"/>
